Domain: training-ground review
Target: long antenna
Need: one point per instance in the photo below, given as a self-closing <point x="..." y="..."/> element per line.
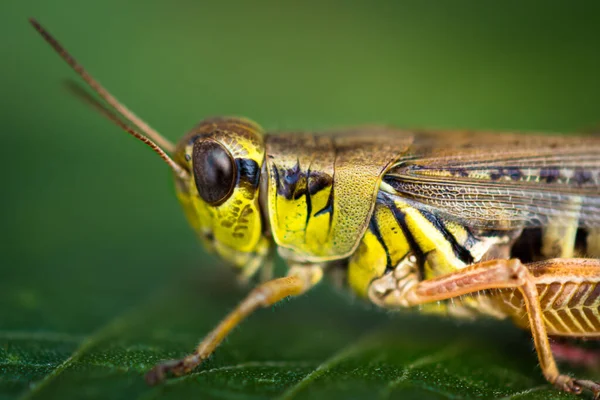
<point x="164" y="143"/>
<point x="84" y="95"/>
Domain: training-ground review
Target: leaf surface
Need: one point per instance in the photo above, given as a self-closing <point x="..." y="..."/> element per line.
<point x="318" y="346"/>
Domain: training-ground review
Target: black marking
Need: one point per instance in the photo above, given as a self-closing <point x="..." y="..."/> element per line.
<point x="193" y="139"/>
<point x="581" y="241"/>
<point x="294" y="183"/>
<point x="513" y="173"/>
<point x="318" y="181"/>
<point x="582" y="176"/>
<point x="288" y="180"/>
<point x="374" y="229"/>
<point x="277" y="180"/>
<point x="549" y="174"/>
<point x="459" y="251"/>
<point x="527" y="247"/>
<point x="462" y="172"/>
<point x="328" y="207"/>
<point x="401" y="220"/>
<point x="248" y="171"/>
<point x="331" y="199"/>
<point x="283" y="189"/>
<point x="491" y="233"/>
<point x="393" y="182"/>
<point x="308" y="201"/>
<point x="292" y="175"/>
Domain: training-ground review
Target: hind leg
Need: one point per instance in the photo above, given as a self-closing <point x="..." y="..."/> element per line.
<point x="488" y="275"/>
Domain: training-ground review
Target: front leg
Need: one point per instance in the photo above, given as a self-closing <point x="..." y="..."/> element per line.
<point x="299" y="280"/>
<point x="494" y="274"/>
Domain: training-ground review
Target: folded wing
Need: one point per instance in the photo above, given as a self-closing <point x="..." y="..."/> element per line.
<point x="502" y="181"/>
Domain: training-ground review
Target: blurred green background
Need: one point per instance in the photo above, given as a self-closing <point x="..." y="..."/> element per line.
<point x="101" y="276"/>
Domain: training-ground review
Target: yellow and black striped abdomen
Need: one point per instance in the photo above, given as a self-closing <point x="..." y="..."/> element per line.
<point x="399" y="229"/>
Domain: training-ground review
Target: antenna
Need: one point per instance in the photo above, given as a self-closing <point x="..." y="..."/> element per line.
<point x="164" y="143"/>
<point x="84" y="95"/>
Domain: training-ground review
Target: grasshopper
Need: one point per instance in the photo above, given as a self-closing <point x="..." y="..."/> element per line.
<point x="455" y="222"/>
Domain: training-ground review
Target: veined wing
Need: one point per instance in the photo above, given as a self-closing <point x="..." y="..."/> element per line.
<point x="502" y="181"/>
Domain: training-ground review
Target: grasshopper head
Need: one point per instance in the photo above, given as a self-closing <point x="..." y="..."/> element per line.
<point x="217" y="169"/>
<point x="220" y="194"/>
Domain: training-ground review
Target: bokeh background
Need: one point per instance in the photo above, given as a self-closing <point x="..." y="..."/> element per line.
<point x="100" y="276"/>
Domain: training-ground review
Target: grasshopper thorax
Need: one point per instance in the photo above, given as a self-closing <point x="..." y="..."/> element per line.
<point x="220" y="195"/>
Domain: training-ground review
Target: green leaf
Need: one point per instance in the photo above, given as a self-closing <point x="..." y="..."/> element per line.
<point x="317" y="346"/>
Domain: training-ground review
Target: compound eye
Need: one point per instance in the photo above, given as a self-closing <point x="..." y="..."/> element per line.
<point x="214" y="171"/>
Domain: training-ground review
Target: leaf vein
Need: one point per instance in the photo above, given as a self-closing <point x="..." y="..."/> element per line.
<point x="359" y="346"/>
<point x="249" y="364"/>
<point x="523" y="392"/>
<point x="428" y="359"/>
<point x="85" y="345"/>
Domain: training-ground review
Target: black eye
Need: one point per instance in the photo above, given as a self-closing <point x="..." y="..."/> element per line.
<point x="214" y="171"/>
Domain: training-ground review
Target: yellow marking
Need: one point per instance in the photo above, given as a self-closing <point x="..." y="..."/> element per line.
<point x="480" y="175"/>
<point x="551" y="309"/>
<point x="595" y="315"/>
<point x="553" y="321"/>
<point x="367" y="263"/>
<point x="370" y="259"/>
<point x="318" y="227"/>
<point x="458" y="231"/>
<point x="541" y="295"/>
<point x="441" y="257"/>
<point x="587" y="321"/>
<point x="581" y="305"/>
<point x="437" y="308"/>
<point x="385" y="187"/>
<point x="558" y="236"/>
<point x="549" y="325"/>
<point x="561" y="321"/>
<point x="291" y="215"/>
<point x="574" y="320"/>
<point x="392" y="235"/>
<point x="593" y="243"/>
<point x="511" y="303"/>
<point x="236" y="224"/>
<point x="595" y="312"/>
